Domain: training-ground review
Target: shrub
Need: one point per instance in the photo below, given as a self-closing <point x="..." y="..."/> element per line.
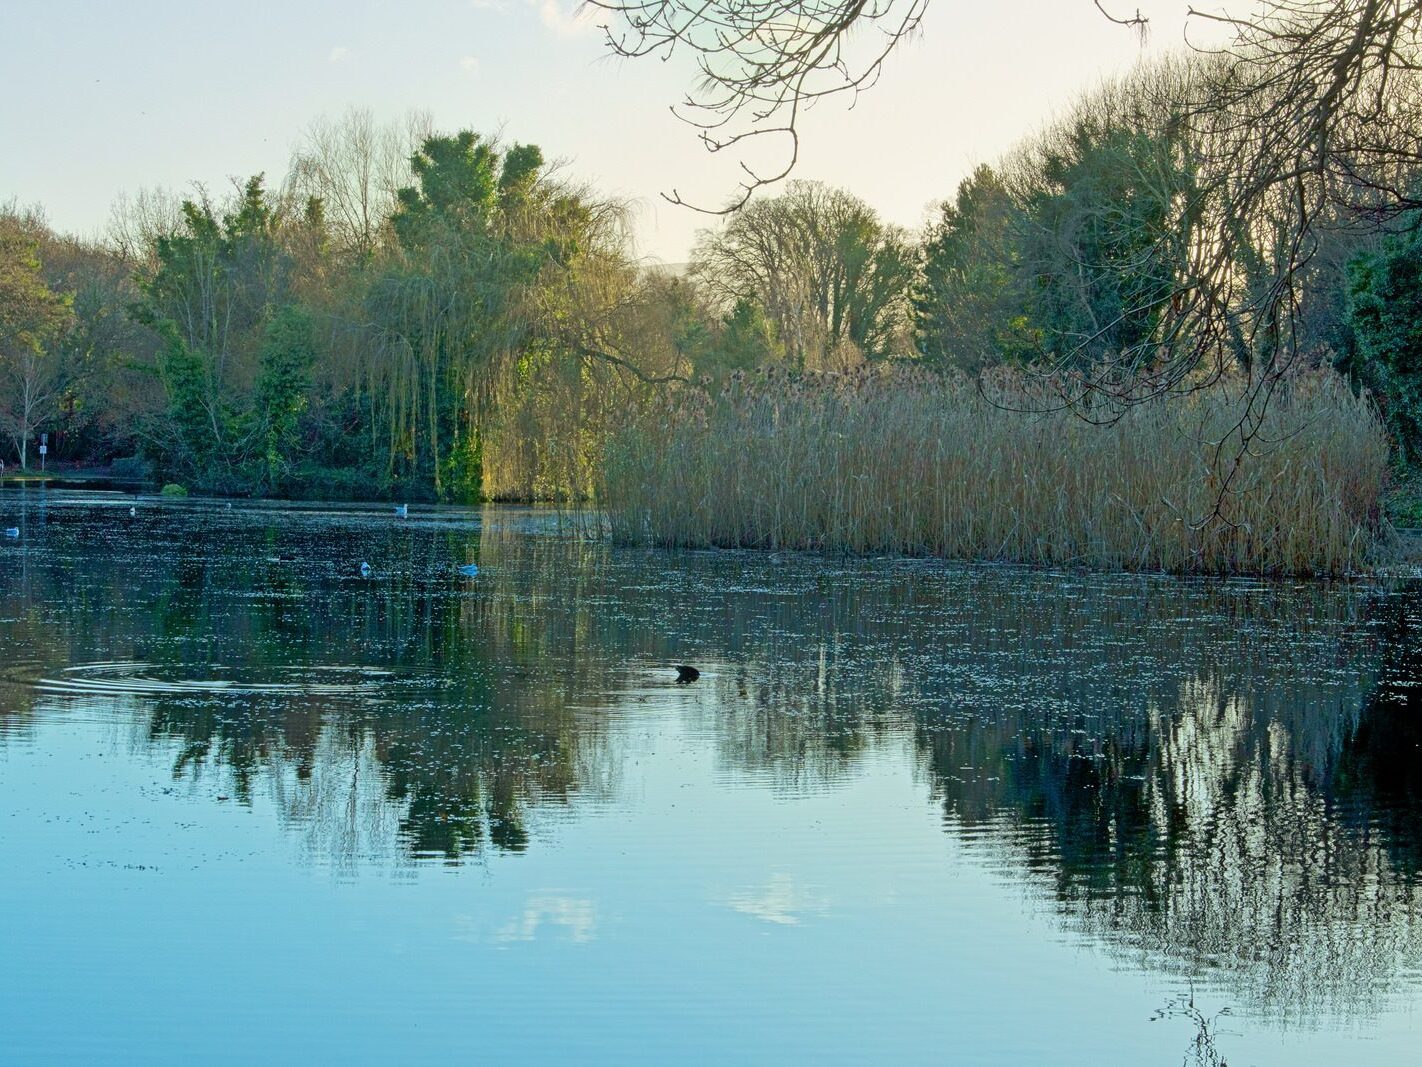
<point x="173" y="489"/>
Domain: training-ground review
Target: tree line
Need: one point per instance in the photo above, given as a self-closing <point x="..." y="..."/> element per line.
<point x="420" y="315"/>
<point x="404" y="313"/>
<point x="409" y="314"/>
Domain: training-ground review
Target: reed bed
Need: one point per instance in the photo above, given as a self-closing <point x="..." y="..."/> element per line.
<point x="885" y="461"/>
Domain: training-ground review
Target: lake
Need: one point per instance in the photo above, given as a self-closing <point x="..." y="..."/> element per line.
<point x="257" y="806"/>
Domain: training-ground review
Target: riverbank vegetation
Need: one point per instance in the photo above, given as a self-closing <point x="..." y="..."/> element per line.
<point x="1125" y="342"/>
<point x="909" y="462"/>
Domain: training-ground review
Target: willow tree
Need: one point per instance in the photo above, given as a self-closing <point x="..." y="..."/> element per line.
<point x="501" y="280"/>
<point x="451" y="305"/>
<point x="555" y="402"/>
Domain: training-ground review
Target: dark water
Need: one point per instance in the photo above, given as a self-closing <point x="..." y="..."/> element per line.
<point x="256" y="807"/>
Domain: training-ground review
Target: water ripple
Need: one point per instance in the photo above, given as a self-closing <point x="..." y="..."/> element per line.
<point x="132" y="678"/>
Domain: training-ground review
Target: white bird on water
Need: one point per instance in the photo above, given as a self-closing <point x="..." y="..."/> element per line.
<point x="402" y="511"/>
<point x="365" y="570"/>
<point x="132" y="512"/>
<point x="13" y="531"/>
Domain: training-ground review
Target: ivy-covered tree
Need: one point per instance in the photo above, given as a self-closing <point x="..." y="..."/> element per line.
<point x="1384" y="312"/>
<point x="212" y="286"/>
<point x="287" y="356"/>
<point x="506" y="294"/>
<point x="453" y="302"/>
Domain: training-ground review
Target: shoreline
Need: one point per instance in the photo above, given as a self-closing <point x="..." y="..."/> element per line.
<point x="1403" y="543"/>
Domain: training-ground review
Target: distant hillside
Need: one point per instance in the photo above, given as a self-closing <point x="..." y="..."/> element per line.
<point x="670" y="270"/>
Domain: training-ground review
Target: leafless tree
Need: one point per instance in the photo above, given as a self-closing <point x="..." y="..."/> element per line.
<point x="137" y="220"/>
<point x="822" y="265"/>
<point x="354" y="166"/>
<point x="761" y="63"/>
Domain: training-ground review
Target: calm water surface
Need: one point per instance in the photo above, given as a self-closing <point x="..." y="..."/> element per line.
<point x="254" y="806"/>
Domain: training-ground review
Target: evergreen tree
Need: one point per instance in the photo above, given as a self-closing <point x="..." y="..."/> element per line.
<point x="969" y="304"/>
<point x="1384" y="312"/>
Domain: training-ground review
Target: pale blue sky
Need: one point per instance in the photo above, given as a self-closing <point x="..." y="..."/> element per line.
<point x="107" y="97"/>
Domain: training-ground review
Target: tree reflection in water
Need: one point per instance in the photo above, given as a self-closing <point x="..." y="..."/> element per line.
<point x="1215" y="776"/>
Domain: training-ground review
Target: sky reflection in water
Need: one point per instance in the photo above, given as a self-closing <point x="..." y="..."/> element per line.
<point x="253" y="805"/>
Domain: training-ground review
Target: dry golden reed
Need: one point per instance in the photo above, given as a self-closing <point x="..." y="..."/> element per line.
<point x="903" y="462"/>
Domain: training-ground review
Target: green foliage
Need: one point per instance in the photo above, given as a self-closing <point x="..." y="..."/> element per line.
<point x="463" y="475"/>
<point x="281" y="392"/>
<point x="1384" y="311"/>
<point x="313" y="481"/>
<point x="455" y="300"/>
<point x="747" y="339"/>
<point x="1103" y="241"/>
<point x="215" y="279"/>
<point x="464" y="187"/>
<point x="208" y="296"/>
<point x="485" y="318"/>
<point x="458" y="181"/>
<point x="1404" y="504"/>
<point x="969" y="305"/>
<point x="188" y="437"/>
<point x="31" y="314"/>
<point x="32" y="320"/>
<point x="1072" y="258"/>
<point x="483" y="329"/>
<point x="173" y="489"/>
<point x="499" y="284"/>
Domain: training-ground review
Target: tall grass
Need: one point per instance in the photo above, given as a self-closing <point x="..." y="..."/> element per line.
<point x="903" y="462"/>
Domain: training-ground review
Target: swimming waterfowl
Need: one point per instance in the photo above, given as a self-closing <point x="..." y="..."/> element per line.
<point x="685" y="674"/>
